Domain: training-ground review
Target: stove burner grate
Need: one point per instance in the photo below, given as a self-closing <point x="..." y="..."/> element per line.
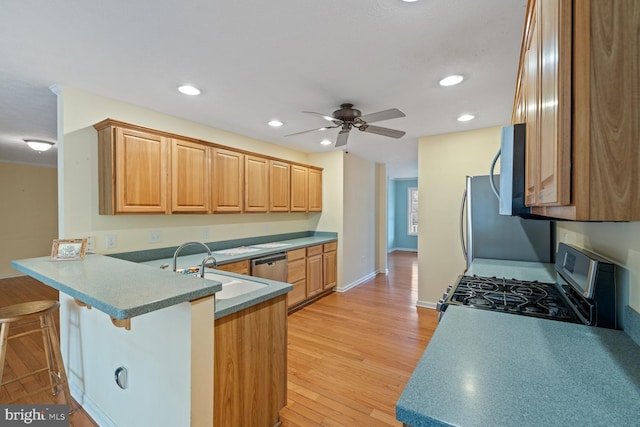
<point x="531" y="298"/>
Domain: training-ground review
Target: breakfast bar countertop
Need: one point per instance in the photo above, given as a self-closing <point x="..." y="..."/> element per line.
<point x="121" y="289"/>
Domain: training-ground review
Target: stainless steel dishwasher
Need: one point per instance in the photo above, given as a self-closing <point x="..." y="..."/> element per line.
<point x="273" y="267"/>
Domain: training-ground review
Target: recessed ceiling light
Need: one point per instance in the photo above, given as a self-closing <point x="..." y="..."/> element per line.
<point x="409" y="1"/>
<point x="189" y="90"/>
<point x="38" y="145"/>
<point x="275" y="123"/>
<point x="451" y="80"/>
<point x="466" y="117"/>
<point x="326" y="142"/>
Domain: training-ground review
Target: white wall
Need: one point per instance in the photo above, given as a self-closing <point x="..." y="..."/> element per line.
<point x="78" y="174"/>
<point x="28" y="213"/>
<point x="445" y="161"/>
<point x="617" y="241"/>
<point x="359" y="221"/>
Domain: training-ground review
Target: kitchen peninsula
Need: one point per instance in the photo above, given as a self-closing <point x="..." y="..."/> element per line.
<point x="166" y="342"/>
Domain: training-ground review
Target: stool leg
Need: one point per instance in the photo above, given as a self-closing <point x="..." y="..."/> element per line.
<point x="47" y="351"/>
<point x="4" y="334"/>
<point x="57" y="355"/>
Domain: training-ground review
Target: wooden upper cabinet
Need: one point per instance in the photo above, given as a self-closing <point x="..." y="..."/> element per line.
<point x="582" y="114"/>
<point x="133" y="168"/>
<point x="546" y="68"/>
<point x="315" y="190"/>
<point x="189" y="177"/>
<point x="256" y="184"/>
<point x="227" y="174"/>
<point x="279" y="186"/>
<point x="299" y="188"/>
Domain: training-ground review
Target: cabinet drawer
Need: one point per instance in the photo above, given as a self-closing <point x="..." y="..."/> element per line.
<point x="297" y="270"/>
<point x="296" y="254"/>
<point x="314" y="250"/>
<point x="240" y="267"/>
<point x="331" y="246"/>
<point x="297" y="294"/>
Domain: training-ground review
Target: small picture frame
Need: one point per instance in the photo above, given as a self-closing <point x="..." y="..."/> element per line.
<point x="68" y="249"/>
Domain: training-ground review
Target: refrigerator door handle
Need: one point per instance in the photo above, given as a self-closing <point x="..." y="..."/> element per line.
<point x="462" y="242"/>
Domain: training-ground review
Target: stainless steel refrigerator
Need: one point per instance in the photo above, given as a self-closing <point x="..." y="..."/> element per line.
<point x="484" y="233"/>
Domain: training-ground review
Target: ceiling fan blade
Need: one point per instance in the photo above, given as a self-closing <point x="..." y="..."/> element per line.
<point x="392" y="113"/>
<point x="313" y="130"/>
<point x="324" y="116"/>
<point x="392" y="133"/>
<point x="343" y="135"/>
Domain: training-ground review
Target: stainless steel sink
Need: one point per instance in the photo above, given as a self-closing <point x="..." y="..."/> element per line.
<point x="233" y="286"/>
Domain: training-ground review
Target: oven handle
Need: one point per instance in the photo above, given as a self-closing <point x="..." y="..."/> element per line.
<point x="462" y="242"/>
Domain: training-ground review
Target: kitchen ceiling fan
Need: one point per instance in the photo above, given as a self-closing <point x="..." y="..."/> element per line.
<point x="347" y="118"/>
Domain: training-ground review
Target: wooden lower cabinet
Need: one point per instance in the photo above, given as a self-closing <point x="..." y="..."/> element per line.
<point x="297" y="276"/>
<point x="240" y="267"/>
<point x="313" y="273"/>
<point x="314" y="270"/>
<point x="329" y="265"/>
<point x="250" y="366"/>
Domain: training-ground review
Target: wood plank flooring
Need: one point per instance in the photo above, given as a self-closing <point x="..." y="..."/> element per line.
<point x="349" y="354"/>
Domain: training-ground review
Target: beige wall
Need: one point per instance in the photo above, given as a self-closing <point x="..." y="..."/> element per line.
<point x="617" y="241"/>
<point x="28" y="213"/>
<point x="359" y="216"/>
<point x="444" y="162"/>
<point x="78" y="170"/>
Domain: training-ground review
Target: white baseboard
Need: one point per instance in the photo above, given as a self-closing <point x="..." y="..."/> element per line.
<point x="384" y="271"/>
<point x="11" y="276"/>
<point x="426" y="304"/>
<point x="90" y="407"/>
<point x="356" y="283"/>
<point x="403" y="250"/>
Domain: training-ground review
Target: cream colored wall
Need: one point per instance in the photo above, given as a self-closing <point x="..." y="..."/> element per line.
<point x="331" y="218"/>
<point x="617" y="241"/>
<point x="381" y="218"/>
<point x="29" y="213"/>
<point x="78" y="171"/>
<point x="359" y="227"/>
<point x="444" y="162"/>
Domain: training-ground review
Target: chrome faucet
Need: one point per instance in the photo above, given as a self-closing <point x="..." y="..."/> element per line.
<point x="204" y="264"/>
<point x="184" y="245"/>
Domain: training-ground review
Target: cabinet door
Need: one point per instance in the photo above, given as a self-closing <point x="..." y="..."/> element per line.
<point x="531" y="76"/>
<point x="299" y="188"/>
<point x="314" y="275"/>
<point x="227" y="178"/>
<point x="189" y="177"/>
<point x="240" y="267"/>
<point x="554" y="26"/>
<point x="256" y="184"/>
<point x="315" y="190"/>
<point x="141" y="172"/>
<point x="329" y="260"/>
<point x="279" y="186"/>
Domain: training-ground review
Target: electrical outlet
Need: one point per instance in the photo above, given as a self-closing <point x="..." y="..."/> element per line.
<point x="205" y="234"/>
<point x="91" y="243"/>
<point x="155" y="236"/>
<point x="110" y="241"/>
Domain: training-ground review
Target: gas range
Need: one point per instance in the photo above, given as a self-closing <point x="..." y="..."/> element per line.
<point x="583" y="293"/>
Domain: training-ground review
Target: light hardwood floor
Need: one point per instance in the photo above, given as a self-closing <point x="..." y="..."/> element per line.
<point x="349" y="354"/>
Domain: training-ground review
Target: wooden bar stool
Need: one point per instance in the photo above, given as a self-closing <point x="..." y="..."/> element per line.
<point x="32" y="312"/>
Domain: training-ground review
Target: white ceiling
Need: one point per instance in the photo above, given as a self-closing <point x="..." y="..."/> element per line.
<point x="257" y="60"/>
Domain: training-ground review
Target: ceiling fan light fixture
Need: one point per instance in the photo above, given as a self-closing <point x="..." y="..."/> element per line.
<point x="325" y="142"/>
<point x="38" y="145"/>
<point x="189" y="90"/>
<point x="451" y="80"/>
<point x="275" y="123"/>
<point x="466" y="117"/>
